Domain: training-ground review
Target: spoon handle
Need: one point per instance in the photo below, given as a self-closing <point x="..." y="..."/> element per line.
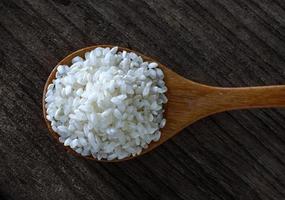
<point x="248" y="97"/>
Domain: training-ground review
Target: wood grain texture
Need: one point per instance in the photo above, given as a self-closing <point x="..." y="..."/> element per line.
<point x="233" y="155"/>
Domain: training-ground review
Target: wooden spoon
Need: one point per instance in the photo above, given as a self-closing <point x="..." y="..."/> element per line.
<point x="188" y="101"/>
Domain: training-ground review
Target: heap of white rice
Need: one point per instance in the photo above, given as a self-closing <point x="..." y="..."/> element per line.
<point x="109" y="105"/>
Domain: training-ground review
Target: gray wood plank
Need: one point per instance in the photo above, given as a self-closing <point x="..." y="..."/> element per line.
<point x="233" y="155"/>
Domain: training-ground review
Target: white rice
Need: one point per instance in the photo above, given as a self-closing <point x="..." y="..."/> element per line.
<point x="108" y="105"/>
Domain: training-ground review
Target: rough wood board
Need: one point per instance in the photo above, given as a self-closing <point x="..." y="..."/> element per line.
<point x="234" y="155"/>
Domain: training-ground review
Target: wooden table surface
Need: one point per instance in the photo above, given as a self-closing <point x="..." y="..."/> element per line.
<point x="233" y="155"/>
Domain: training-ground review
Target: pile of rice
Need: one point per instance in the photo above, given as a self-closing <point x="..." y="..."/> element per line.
<point x="108" y="105"/>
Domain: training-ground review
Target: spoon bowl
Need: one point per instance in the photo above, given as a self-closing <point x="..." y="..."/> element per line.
<point x="188" y="101"/>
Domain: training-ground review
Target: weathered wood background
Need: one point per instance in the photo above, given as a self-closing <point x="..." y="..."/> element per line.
<point x="234" y="155"/>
